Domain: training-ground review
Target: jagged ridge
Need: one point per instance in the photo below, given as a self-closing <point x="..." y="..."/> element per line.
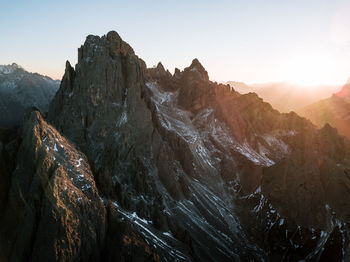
<point x="190" y="170"/>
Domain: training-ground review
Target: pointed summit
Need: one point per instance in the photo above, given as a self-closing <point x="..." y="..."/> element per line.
<point x="197" y="67"/>
<point x="107" y="45"/>
<point x="177" y="73"/>
<point x="195" y="62"/>
<point x="160" y="67"/>
<point x="15" y="65"/>
<point x="8" y="69"/>
<point x="113" y="36"/>
<point x="159" y="72"/>
<point x="69" y="75"/>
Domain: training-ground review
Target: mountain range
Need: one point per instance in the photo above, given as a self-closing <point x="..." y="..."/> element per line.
<point x="284" y="96"/>
<point x="334" y="110"/>
<point x="19" y="90"/>
<point x="137" y="164"/>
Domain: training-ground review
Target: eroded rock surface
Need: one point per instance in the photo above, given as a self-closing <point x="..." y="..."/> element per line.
<point x="197" y="159"/>
<point x="182" y="169"/>
<point x="54" y="212"/>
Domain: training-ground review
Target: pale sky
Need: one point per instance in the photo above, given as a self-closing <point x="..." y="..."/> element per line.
<point x="254" y="41"/>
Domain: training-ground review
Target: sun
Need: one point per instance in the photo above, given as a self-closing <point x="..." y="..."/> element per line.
<point x="308" y="69"/>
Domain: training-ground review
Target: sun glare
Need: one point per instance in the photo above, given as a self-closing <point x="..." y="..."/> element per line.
<point x="308" y="70"/>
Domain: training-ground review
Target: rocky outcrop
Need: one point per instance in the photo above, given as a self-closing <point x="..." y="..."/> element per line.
<point x="196" y="91"/>
<point x="161" y="76"/>
<point x="20" y="90"/>
<point x="158" y="72"/>
<point x="53" y="212"/>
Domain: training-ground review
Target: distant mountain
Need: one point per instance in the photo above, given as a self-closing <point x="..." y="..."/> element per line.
<point x="334" y="110"/>
<point x="19" y="90"/>
<point x="284" y="96"/>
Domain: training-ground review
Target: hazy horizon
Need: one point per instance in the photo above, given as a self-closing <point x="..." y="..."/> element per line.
<point x="254" y="42"/>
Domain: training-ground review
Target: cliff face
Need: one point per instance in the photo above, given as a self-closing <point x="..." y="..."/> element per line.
<point x="161" y="167"/>
<point x="53" y="211"/>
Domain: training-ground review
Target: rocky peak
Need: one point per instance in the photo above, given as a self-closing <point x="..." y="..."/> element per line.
<point x="98" y="96"/>
<point x="160" y="67"/>
<point x="197" y="69"/>
<point x="8" y="69"/>
<point x="69" y="74"/>
<point x="117" y="44"/>
<point x="177" y="72"/>
<point x="96" y="46"/>
<point x="159" y="73"/>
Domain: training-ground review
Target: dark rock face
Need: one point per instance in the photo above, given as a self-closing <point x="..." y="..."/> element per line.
<point x="196" y="91"/>
<point x="19" y="90"/>
<point x="53" y="211"/>
<point x="9" y="143"/>
<point x="182" y="169"/>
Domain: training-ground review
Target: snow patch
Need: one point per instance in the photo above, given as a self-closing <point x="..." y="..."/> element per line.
<point x="79" y="162"/>
<point x="8" y="69"/>
<point x="253" y="156"/>
<point x="168" y="234"/>
<point x="281" y="222"/>
<point x="123" y="119"/>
